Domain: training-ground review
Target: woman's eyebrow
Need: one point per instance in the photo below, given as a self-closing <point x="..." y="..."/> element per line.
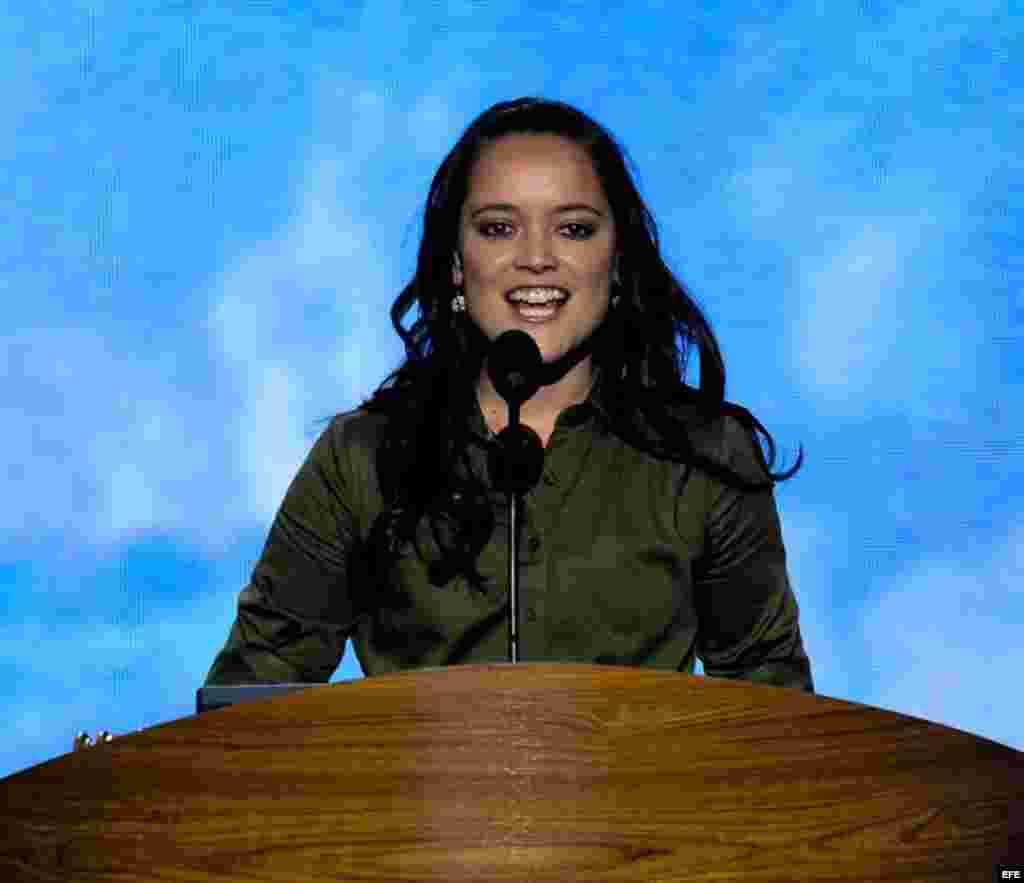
<point x="508" y="207"/>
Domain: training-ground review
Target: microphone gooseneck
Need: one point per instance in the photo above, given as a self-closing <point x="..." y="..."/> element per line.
<point x="516" y="461"/>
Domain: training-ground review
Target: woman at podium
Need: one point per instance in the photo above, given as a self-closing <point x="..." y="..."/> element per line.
<point x="651" y="535"/>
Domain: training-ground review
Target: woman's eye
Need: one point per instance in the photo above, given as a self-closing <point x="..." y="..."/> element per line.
<point x="582" y="231"/>
<point x="487" y="230"/>
<point x="586" y="230"/>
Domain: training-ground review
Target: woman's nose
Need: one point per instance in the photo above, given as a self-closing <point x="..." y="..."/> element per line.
<point x="537" y="251"/>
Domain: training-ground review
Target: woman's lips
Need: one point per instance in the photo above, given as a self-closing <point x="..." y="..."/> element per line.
<point x="536" y="312"/>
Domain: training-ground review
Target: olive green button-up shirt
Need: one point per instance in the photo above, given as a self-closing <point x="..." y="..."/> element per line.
<point x="617" y="567"/>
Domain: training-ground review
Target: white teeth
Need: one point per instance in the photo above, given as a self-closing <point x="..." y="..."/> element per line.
<point x="537" y="295"/>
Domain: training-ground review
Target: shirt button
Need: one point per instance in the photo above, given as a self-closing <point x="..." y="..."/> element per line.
<point x="531" y="615"/>
<point x="534" y="544"/>
<point x="550" y="479"/>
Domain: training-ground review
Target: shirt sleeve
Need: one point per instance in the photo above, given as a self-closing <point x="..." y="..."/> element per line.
<point x="296" y="613"/>
<point x="748" y="617"/>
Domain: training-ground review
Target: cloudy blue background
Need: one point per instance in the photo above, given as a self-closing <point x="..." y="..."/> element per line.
<point x="208" y="209"/>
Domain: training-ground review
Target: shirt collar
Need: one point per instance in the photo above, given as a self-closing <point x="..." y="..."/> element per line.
<point x="593" y="405"/>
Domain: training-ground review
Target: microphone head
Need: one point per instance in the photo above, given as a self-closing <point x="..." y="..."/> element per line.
<point x="514" y="364"/>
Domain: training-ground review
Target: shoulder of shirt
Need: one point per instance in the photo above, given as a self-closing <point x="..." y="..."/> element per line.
<point x="724" y="439"/>
<point x="353" y="436"/>
<point x="357" y="425"/>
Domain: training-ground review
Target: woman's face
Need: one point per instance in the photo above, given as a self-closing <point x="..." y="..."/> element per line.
<point x="515" y="232"/>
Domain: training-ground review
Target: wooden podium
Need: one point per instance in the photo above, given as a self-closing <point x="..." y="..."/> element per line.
<point x="530" y="772"/>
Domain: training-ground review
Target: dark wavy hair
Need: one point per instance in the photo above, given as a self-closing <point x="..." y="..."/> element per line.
<point x="639" y="364"/>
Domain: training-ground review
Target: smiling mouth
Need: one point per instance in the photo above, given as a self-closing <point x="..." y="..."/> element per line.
<point x="561" y="300"/>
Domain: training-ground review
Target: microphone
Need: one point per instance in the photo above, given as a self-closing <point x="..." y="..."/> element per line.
<point x="514" y="364"/>
<point x="516" y="462"/>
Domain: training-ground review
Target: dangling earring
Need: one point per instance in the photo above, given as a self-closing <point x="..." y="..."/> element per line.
<point x="458" y="302"/>
<point x="615" y="281"/>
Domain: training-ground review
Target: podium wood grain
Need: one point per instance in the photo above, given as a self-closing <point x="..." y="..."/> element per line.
<point x="536" y="772"/>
